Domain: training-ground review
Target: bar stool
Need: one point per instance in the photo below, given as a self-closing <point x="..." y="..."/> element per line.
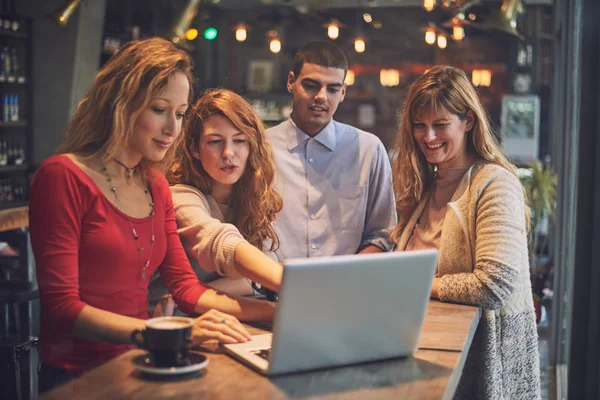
<point x="16" y="341"/>
<point x="18" y="289"/>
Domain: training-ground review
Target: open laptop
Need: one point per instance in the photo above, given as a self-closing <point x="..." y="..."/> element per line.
<point x="342" y="310"/>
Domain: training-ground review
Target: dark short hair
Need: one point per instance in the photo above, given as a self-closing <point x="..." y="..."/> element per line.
<point x="322" y="53"/>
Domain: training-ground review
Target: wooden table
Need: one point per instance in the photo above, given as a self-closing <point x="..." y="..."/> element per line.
<point x="432" y="373"/>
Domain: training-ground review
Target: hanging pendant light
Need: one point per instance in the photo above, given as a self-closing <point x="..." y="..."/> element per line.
<point x="429" y="5"/>
<point x="430" y="35"/>
<point x="359" y="45"/>
<point x="61" y="16"/>
<point x="458" y="32"/>
<point x="350" y="77"/>
<point x="442" y="42"/>
<point x="333" y="29"/>
<point x="241" y="32"/>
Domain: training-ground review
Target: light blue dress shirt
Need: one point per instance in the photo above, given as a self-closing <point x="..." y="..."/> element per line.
<point x="337" y="191"/>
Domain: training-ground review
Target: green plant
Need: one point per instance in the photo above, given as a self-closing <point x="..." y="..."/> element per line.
<point x="540" y="185"/>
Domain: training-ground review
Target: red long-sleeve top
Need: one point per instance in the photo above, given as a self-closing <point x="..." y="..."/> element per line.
<point x="86" y="254"/>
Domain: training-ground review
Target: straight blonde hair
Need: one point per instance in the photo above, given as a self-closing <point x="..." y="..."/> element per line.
<point x="122" y="89"/>
<point x="440" y="88"/>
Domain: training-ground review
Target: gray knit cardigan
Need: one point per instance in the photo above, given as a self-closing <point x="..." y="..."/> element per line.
<point x="484" y="261"/>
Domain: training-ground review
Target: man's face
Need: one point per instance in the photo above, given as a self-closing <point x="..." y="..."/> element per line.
<point x="317" y="92"/>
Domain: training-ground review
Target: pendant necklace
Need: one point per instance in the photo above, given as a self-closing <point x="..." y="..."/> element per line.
<point x="130" y="171"/>
<point x="140" y="249"/>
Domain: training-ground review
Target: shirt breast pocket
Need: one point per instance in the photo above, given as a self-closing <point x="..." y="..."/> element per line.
<point x="349" y="207"/>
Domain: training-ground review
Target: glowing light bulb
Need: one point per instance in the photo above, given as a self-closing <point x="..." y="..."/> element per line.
<point x="458" y="32"/>
<point x="349" y="78"/>
<point x="429" y="5"/>
<point x="359" y="45"/>
<point x="275" y="45"/>
<point x="442" y="41"/>
<point x="430" y="36"/>
<point x="241" y="33"/>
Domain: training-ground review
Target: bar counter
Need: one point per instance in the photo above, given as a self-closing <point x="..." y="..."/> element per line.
<point x="14" y="218"/>
<point x="431" y="373"/>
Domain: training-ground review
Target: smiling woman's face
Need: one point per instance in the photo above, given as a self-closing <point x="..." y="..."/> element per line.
<point x="442" y="137"/>
<point x="159" y="124"/>
<point x="223" y="150"/>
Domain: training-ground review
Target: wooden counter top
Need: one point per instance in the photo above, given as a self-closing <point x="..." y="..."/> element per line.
<point x="14" y="218"/>
<point x="432" y="373"/>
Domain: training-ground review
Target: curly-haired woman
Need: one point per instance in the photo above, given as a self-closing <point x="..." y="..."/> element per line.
<point x="224" y="197"/>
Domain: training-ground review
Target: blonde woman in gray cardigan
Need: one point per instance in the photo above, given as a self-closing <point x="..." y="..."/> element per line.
<point x="459" y="194"/>
<point x="223" y="195"/>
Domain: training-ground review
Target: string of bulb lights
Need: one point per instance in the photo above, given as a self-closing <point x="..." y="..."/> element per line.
<point x="433" y="35"/>
<point x="182" y="30"/>
<point x="332" y="27"/>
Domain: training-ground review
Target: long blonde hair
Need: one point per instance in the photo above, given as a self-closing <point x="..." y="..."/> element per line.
<point x="255" y="199"/>
<point x="122" y="89"/>
<point x="440" y="88"/>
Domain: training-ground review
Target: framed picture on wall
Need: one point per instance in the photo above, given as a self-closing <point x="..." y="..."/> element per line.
<point x="260" y="76"/>
<point x="520" y="123"/>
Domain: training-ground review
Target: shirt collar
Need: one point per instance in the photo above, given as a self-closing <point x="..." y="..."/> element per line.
<point x="296" y="136"/>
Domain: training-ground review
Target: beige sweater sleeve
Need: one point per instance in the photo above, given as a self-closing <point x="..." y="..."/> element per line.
<point x="205" y="238"/>
<point x="500" y="245"/>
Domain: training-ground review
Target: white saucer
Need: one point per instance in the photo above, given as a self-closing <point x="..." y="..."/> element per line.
<point x="195" y="362"/>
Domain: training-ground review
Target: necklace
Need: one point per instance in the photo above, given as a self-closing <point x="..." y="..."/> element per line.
<point x="130" y="171"/>
<point x="140" y="249"/>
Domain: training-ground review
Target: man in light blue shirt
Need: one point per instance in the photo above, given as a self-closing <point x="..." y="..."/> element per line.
<point x="335" y="180"/>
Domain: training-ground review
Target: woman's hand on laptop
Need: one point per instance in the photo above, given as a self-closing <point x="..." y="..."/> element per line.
<point x="217" y="325"/>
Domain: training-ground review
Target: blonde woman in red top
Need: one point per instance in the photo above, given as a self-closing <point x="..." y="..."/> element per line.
<point x="102" y="219"/>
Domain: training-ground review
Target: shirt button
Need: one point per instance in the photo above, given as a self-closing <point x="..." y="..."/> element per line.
<point x="310" y="160"/>
<point x="313" y="246"/>
<point x="313" y="216"/>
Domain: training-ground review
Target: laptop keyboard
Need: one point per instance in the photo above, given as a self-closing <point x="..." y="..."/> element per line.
<point x="264" y="353"/>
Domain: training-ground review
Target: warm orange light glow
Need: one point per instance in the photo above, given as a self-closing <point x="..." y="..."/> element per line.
<point x="442" y="41"/>
<point x="333" y="31"/>
<point x="389" y="77"/>
<point x="481" y="77"/>
<point x="359" y="45"/>
<point x="191" y="34"/>
<point x="241" y="33"/>
<point x="458" y="32"/>
<point x="275" y="45"/>
<point x="430" y="36"/>
<point x="349" y="78"/>
<point x="429" y="5"/>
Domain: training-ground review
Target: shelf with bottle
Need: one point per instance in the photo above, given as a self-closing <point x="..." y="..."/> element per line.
<point x="12" y="153"/>
<point x="11" y="65"/>
<point x="12" y="27"/>
<point x="13" y="192"/>
<point x="10" y="109"/>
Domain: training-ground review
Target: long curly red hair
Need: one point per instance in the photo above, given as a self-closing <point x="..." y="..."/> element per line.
<point x="254" y="201"/>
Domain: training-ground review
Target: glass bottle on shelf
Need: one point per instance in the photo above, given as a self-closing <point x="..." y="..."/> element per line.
<point x="19" y="154"/>
<point x="6" y="108"/>
<point x="3" y="71"/>
<point x="7" y="65"/>
<point x="8" y="189"/>
<point x="10" y="154"/>
<point x="3" y="156"/>
<point x="14" y="62"/>
<point x="14" y="111"/>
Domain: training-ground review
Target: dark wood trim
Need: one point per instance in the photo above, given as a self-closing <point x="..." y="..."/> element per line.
<point x="584" y="353"/>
